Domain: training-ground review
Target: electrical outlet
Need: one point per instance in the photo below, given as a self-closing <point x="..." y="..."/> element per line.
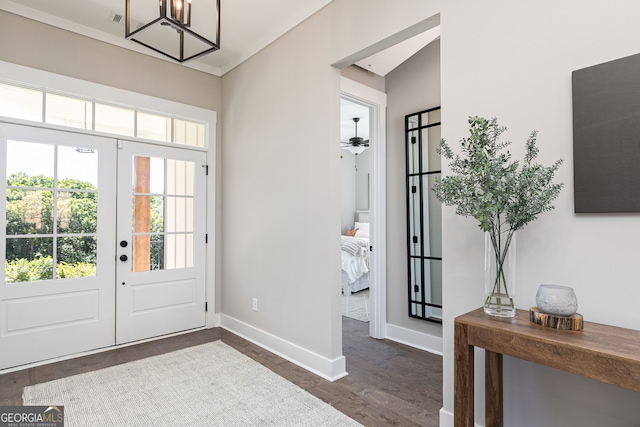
<point x="255" y="304"/>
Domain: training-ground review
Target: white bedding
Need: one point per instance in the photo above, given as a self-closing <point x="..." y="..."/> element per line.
<point x="355" y="265"/>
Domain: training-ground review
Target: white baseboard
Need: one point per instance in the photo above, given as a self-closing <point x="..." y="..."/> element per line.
<point x="331" y="370"/>
<point x="446" y="419"/>
<point x="213" y="320"/>
<point x="422" y="341"/>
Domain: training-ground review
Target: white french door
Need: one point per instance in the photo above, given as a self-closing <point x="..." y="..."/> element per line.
<point x="104" y="242"/>
<point x="161" y="240"/>
<point x="56" y="293"/>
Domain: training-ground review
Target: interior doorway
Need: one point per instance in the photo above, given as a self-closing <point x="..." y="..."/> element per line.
<point x="374" y="102"/>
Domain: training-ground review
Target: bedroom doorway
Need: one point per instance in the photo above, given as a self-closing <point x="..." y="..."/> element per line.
<point x="363" y="202"/>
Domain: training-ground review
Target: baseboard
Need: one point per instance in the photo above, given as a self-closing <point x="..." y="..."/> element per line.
<point x="213" y="320"/>
<point x="426" y="342"/>
<point x="331" y="370"/>
<point x="446" y="419"/>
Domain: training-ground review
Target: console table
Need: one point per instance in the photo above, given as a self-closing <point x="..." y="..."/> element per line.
<point x="604" y="353"/>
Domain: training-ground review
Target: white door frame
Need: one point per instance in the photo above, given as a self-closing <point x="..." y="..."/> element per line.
<point x="377" y="102"/>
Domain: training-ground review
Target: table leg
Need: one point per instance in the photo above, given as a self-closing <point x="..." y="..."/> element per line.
<point x="493" y="389"/>
<point x="463" y="378"/>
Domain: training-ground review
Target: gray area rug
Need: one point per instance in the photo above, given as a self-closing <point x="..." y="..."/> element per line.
<point x="206" y="385"/>
<point x="357" y="305"/>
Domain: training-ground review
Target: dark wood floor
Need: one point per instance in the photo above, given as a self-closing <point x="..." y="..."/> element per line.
<point x="389" y="384"/>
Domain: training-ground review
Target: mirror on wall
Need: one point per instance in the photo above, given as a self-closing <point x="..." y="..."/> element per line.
<point x="424" y="215"/>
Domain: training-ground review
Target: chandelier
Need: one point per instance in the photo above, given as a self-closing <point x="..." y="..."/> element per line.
<point x="172" y="32"/>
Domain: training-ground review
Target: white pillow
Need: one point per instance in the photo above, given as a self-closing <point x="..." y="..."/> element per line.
<point x="363" y="229"/>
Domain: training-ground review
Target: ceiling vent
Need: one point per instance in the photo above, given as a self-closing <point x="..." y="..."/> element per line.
<point x="117" y="18"/>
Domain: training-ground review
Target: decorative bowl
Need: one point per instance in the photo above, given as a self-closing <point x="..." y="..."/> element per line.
<point x="557" y="300"/>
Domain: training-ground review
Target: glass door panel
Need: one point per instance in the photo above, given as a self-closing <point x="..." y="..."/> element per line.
<point x="162" y="195"/>
<point x="58" y="243"/>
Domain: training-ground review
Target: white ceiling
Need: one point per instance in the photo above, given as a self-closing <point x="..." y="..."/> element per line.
<point x="246" y="27"/>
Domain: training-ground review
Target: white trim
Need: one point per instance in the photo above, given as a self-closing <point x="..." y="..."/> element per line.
<point x="83" y="89"/>
<point x="446" y="419"/>
<point x="328" y="369"/>
<point x="419" y="340"/>
<point x="88" y="90"/>
<point x="377" y="101"/>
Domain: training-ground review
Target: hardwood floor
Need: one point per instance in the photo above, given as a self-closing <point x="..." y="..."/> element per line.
<point x="389" y="384"/>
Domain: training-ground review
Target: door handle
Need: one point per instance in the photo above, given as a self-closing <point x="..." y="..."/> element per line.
<point x="123" y="257"/>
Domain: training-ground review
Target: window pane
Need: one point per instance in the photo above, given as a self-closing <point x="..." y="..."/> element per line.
<point x="154" y="127"/>
<point x="180" y="176"/>
<point x="77" y="168"/>
<point x="71" y="112"/>
<point x="157" y="252"/>
<point x="148" y="175"/>
<point x="188" y="133"/>
<point x="179" y="214"/>
<point x="30" y="164"/>
<point x="29" y="212"/>
<point x="77" y="212"/>
<point x="179" y="251"/>
<point x="76" y="257"/>
<point x="20" y="103"/>
<point x="115" y="120"/>
<point x="156" y="214"/>
<point x="28" y="259"/>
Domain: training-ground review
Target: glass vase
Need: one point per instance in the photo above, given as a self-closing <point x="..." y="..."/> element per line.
<point x="499" y="274"/>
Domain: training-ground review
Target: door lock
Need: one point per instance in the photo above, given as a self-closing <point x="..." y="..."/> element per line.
<point x="123" y="257"/>
<point x="124" y="243"/>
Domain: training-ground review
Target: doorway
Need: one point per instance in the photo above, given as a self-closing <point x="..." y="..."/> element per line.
<point x="99" y="249"/>
<point x="376" y="103"/>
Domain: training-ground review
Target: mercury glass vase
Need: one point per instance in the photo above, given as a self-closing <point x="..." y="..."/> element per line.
<point x="499" y="274"/>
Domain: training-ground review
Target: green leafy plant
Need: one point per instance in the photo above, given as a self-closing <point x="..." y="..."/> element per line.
<point x="503" y="195"/>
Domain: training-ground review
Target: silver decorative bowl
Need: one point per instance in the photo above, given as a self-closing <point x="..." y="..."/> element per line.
<point x="557" y="300"/>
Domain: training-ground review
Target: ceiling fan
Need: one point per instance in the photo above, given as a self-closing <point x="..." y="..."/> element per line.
<point x="356" y="144"/>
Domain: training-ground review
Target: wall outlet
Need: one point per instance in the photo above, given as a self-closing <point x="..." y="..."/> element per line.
<point x="255" y="304"/>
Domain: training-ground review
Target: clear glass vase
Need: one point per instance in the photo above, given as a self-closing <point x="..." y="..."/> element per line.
<point x="499" y="274"/>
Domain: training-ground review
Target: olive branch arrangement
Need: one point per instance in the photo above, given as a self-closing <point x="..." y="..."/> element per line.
<point x="487" y="185"/>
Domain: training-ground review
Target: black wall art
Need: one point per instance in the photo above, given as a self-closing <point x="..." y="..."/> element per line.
<point x="606" y="136"/>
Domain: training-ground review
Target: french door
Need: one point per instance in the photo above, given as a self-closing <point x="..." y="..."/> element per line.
<point x="99" y="250"/>
<point x="161" y="238"/>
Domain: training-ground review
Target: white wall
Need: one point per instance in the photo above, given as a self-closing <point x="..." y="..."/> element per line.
<point x="347" y="189"/>
<point x="287" y="90"/>
<point x="514" y="61"/>
<point x="363" y="169"/>
<point x="354" y="186"/>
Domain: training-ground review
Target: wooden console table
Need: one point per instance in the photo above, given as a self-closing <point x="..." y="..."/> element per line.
<point x="604" y="353"/>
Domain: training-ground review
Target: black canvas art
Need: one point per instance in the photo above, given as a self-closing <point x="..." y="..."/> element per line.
<point x="606" y="136"/>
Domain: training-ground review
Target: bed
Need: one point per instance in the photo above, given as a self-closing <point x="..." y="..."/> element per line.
<point x="355" y="258"/>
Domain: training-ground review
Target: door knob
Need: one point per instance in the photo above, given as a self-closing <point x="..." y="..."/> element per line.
<point x="123" y="257"/>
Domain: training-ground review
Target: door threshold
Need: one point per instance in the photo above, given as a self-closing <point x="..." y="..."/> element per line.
<point x="96" y="351"/>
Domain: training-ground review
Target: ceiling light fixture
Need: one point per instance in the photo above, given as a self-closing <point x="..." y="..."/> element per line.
<point x="355" y="149"/>
<point x="173" y="33"/>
